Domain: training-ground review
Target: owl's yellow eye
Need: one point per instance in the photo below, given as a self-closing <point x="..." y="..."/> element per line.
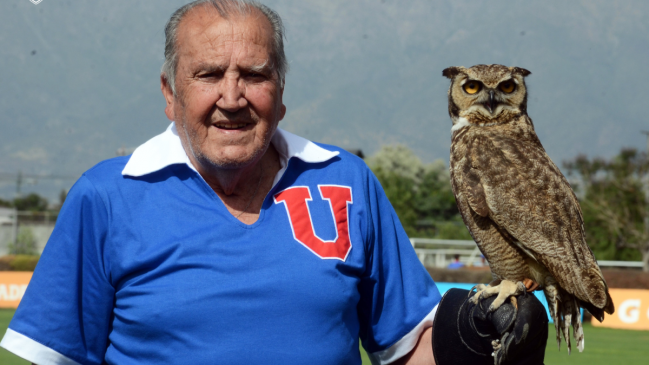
<point x="507" y="86"/>
<point x="472" y="87"/>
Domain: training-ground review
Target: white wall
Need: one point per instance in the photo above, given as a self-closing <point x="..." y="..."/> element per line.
<point x="41" y="232"/>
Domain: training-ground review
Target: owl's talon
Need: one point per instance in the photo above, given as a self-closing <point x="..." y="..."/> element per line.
<point x="477" y="289"/>
<point x="480" y="291"/>
<point x="480" y="288"/>
<point x="503" y="291"/>
<point x="480" y="304"/>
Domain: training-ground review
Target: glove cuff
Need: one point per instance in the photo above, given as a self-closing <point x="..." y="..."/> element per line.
<point x="448" y="345"/>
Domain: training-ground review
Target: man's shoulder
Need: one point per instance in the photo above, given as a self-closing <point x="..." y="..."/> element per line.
<point x="99" y="182"/>
<point x="107" y="172"/>
<point x="345" y="156"/>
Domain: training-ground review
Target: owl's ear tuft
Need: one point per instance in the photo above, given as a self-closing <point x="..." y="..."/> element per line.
<point x="521" y="71"/>
<point x="451" y="71"/>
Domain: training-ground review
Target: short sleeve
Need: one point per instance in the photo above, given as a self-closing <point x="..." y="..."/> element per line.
<point x="398" y="296"/>
<point x="65" y="314"/>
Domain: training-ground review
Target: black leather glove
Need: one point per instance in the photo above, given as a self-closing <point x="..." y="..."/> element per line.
<point x="464" y="333"/>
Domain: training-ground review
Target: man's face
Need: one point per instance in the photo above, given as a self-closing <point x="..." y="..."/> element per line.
<point x="228" y="98"/>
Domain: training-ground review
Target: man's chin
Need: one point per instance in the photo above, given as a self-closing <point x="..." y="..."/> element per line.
<point x="233" y="162"/>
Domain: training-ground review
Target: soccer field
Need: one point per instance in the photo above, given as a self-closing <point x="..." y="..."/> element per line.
<point x="603" y="346"/>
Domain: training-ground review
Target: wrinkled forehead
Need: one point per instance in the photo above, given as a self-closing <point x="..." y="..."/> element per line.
<point x="205" y="28"/>
<point x="490" y="75"/>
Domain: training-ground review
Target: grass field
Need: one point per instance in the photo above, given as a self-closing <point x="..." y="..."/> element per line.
<point x="603" y="346"/>
<point x="6" y="357"/>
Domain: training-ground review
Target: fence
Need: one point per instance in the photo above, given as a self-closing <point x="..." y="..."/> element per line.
<point x="440" y="253"/>
<point x="39" y="224"/>
<point x="431" y="252"/>
<point x="444" y="252"/>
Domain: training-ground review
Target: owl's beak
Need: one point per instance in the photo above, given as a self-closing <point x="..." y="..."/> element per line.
<point x="492" y="103"/>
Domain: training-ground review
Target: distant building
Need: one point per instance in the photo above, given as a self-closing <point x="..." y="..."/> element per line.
<point x="7" y="216"/>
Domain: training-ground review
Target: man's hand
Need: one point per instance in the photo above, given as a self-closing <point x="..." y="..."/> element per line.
<point x="467" y="333"/>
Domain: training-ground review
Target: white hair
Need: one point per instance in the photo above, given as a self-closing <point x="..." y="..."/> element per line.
<point x="225" y="8"/>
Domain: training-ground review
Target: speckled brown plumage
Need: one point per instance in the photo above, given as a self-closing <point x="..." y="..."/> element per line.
<point x="517" y="205"/>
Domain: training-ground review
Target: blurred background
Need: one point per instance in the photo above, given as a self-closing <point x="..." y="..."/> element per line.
<point x="79" y="83"/>
<point x="80" y="79"/>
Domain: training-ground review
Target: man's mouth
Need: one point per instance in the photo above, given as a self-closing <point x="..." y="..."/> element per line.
<point x="231" y="126"/>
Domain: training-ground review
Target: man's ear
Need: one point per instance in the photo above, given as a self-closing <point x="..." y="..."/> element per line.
<point x="282" y="112"/>
<point x="168" y="94"/>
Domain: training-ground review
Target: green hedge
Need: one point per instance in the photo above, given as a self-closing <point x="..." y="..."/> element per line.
<point x="18" y="262"/>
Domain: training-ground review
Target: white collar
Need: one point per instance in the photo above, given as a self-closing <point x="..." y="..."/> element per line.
<point x="166" y="149"/>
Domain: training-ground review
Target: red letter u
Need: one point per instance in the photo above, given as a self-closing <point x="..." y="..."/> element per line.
<point x="295" y="200"/>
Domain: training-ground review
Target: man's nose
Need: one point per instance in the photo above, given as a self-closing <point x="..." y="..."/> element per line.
<point x="232" y="96"/>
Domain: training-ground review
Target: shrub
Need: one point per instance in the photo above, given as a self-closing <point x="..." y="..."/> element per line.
<point x="25" y="243"/>
<point x="24" y="263"/>
<point x="18" y="262"/>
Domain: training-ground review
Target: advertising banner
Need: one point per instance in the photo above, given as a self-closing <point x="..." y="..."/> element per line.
<point x="631" y="310"/>
<point x="12" y="287"/>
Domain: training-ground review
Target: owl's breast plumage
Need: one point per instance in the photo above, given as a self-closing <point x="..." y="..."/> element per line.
<point x="528" y="200"/>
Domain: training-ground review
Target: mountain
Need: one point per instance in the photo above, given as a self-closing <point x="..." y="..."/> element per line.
<point x="81" y="79"/>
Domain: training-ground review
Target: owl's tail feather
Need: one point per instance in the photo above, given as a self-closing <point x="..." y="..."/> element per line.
<point x="552" y="296"/>
<point x="599" y="299"/>
<point x="572" y="315"/>
<point x="598" y="313"/>
<point x="566" y="313"/>
<point x="564" y="309"/>
<point x="577" y="328"/>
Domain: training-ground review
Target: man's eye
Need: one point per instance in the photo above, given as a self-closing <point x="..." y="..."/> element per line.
<point x="254" y="75"/>
<point x="210" y="75"/>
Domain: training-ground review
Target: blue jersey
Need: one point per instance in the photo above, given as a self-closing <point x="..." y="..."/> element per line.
<point x="146" y="265"/>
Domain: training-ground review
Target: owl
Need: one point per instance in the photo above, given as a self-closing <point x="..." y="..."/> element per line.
<point x="518" y="207"/>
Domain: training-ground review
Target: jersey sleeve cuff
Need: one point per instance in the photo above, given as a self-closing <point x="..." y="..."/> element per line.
<point x="33" y="351"/>
<point x="405" y="344"/>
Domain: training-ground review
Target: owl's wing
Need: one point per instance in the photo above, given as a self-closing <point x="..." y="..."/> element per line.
<point x="526" y="195"/>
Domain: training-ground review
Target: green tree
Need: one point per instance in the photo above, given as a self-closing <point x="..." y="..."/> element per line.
<point x="5" y="203"/>
<point x="613" y="195"/>
<point x="400" y="190"/>
<point x="434" y="194"/>
<point x="420" y="194"/>
<point x="397" y="159"/>
<point x="32" y="202"/>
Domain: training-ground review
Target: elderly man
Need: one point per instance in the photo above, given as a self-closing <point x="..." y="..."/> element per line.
<point x="227" y="240"/>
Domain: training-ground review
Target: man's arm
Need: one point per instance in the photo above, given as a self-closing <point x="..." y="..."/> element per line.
<point x="68" y="287"/>
<point x="422" y="354"/>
